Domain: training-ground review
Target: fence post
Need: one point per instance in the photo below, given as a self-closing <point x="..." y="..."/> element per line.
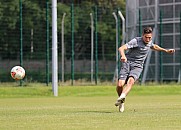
<point x="117" y="42"/>
<point x="54" y="49"/>
<point x="92" y="47"/>
<point x="72" y="35"/>
<point x="161" y="71"/>
<point x="63" y="49"/>
<point x="140" y="33"/>
<point x="180" y="48"/>
<point x="21" y="35"/>
<point x="96" y="45"/>
<point x="123" y="34"/>
<point x="140" y="24"/>
<point x="47" y="42"/>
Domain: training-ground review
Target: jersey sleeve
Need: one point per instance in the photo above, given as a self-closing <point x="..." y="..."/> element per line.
<point x="131" y="44"/>
<point x="152" y="44"/>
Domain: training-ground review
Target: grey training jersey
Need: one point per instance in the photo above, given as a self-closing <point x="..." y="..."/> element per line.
<point x="138" y="50"/>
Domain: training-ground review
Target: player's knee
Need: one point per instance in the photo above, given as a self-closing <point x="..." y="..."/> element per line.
<point x="131" y="81"/>
<point x="120" y="83"/>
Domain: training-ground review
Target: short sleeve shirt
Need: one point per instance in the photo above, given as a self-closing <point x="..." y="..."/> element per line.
<point x="138" y="50"/>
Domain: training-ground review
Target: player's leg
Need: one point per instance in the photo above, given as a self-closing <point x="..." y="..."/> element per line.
<point x="129" y="85"/>
<point x="119" y="89"/>
<point x="120" y="85"/>
<point x="125" y="91"/>
<point x="122" y="80"/>
<point x="123" y="74"/>
<point x="133" y="76"/>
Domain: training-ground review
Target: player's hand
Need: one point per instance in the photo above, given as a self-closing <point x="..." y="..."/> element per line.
<point x="123" y="59"/>
<point x="170" y="51"/>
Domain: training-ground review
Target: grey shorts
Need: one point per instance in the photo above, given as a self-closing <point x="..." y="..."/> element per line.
<point x="130" y="69"/>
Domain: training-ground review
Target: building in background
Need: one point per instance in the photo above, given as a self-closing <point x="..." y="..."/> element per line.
<point x="164" y="17"/>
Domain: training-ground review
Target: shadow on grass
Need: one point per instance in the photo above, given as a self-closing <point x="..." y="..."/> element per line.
<point x="95" y="111"/>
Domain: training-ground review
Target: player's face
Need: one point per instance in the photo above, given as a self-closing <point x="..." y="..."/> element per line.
<point x="147" y="37"/>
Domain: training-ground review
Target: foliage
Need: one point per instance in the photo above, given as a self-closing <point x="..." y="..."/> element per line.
<point x="34" y="26"/>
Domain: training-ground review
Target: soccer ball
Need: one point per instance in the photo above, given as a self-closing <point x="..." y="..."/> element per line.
<point x="17" y="72"/>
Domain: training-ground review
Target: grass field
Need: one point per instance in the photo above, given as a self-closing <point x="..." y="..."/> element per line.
<point x="33" y="107"/>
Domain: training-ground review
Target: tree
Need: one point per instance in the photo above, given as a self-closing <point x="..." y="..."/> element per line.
<point x="8" y="20"/>
<point x="34" y="18"/>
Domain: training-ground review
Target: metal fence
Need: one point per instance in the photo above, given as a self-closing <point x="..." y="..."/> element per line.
<point x="87" y="39"/>
<point x="26" y="41"/>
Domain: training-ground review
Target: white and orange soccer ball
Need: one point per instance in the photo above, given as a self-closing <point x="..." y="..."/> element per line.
<point x="17" y="72"/>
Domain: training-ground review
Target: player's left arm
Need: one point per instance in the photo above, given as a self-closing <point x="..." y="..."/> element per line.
<point x="158" y="48"/>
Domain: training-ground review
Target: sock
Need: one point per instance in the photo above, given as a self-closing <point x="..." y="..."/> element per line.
<point x="123" y="95"/>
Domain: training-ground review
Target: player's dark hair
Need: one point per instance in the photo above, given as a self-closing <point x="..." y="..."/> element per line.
<point x="147" y="30"/>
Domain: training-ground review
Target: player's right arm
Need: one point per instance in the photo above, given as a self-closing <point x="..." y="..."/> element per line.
<point x="122" y="53"/>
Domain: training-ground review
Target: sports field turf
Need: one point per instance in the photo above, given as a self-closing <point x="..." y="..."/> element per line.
<point x="34" y="107"/>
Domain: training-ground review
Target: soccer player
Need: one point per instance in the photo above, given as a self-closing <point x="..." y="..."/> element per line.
<point x="132" y="63"/>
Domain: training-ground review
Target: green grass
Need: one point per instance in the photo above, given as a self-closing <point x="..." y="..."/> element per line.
<point x="31" y="107"/>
